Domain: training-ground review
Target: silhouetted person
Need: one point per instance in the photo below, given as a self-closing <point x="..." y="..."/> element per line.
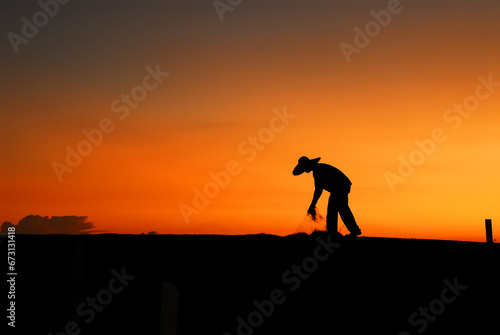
<point x="331" y="179"/>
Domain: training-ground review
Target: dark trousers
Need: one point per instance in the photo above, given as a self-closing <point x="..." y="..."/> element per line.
<point x="339" y="204"/>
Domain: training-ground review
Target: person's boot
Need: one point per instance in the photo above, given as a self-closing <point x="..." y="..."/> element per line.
<point x="354" y="232"/>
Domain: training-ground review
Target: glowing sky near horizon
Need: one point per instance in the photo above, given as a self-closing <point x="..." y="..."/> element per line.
<point x="228" y="80"/>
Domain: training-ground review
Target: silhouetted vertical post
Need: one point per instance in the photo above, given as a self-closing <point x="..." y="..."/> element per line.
<point x="489" y="231"/>
<point x="169" y="307"/>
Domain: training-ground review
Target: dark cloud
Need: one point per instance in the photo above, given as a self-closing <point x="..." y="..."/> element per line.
<point x="36" y="224"/>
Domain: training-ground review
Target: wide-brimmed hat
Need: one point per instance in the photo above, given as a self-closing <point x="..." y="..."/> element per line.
<point x="304" y="164"/>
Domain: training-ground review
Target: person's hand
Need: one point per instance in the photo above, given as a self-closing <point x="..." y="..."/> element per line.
<point x="312" y="212"/>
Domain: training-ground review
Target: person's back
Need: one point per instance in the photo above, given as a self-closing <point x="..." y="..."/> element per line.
<point x="330" y="178"/>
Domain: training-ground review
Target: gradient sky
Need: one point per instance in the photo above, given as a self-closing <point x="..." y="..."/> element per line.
<point x="226" y="81"/>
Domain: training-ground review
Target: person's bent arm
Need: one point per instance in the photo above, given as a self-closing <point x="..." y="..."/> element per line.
<point x="317" y="193"/>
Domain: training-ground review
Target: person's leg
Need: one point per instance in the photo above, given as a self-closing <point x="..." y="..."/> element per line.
<point x="332" y="215"/>
<point x="346" y="214"/>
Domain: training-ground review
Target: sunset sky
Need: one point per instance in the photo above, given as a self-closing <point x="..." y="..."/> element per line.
<point x="178" y="95"/>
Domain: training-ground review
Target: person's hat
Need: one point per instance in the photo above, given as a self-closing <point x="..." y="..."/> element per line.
<point x="304" y="164"/>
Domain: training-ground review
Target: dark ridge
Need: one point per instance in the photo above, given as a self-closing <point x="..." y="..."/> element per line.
<point x="367" y="285"/>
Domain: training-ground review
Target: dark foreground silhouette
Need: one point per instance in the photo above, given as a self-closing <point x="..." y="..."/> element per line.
<point x="254" y="284"/>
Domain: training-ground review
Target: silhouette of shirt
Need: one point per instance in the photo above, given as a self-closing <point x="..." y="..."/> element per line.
<point x="330" y="178"/>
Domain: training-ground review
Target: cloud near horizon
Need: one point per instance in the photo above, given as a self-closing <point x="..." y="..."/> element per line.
<point x="36" y="224"/>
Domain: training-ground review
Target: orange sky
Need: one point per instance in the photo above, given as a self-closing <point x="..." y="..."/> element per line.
<point x="225" y="80"/>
